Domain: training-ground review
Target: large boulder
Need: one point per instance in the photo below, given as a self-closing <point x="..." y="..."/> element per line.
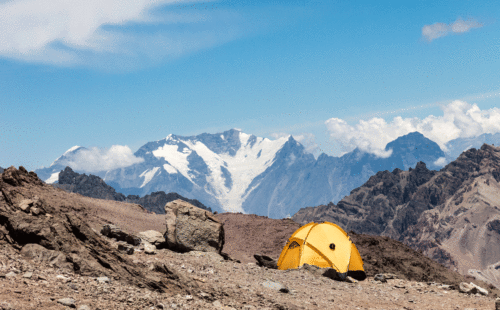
<point x="190" y="228"/>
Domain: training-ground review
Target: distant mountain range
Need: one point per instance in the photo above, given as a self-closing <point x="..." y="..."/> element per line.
<point x="238" y="172"/>
<point x="452" y="215"/>
<point x="93" y="186"/>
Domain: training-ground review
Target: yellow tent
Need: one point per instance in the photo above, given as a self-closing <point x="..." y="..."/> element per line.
<point x="325" y="245"/>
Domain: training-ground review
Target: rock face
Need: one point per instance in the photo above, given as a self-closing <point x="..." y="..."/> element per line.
<point x="192" y="229"/>
<point x="93" y="186"/>
<point x="58" y="234"/>
<point x="446" y="214"/>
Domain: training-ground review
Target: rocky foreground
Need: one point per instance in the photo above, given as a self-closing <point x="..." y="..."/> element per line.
<point x="53" y="256"/>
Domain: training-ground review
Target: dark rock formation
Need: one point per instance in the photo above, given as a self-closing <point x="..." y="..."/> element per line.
<point x="93" y="186"/>
<point x="87" y="185"/>
<point x="59" y="234"/>
<point x="156" y="201"/>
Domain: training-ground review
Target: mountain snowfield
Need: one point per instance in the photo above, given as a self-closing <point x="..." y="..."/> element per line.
<point x="237" y="172"/>
<point x="229" y="173"/>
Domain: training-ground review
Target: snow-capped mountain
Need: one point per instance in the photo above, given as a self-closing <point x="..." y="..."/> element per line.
<point x="237" y="172"/>
<point x="217" y="169"/>
<point x="51" y="174"/>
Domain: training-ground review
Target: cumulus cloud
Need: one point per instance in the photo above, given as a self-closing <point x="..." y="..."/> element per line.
<point x="460" y="120"/>
<point x="87" y="32"/>
<point x="438" y="30"/>
<point x="101" y="159"/>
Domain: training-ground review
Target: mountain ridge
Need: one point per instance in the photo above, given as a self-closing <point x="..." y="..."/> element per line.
<point x="94" y="187"/>
<point x="238" y="172"/>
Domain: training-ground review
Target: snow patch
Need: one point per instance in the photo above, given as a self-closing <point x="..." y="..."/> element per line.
<point x="53" y="178"/>
<point x="177" y="159"/>
<point x="249" y="161"/>
<point x="169" y="169"/>
<point x="148" y="175"/>
<point x="441" y="161"/>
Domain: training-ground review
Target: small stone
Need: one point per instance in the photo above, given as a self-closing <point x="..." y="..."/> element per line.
<point x="380" y="277"/>
<point x="217" y="304"/>
<point x="126" y="248"/>
<point x="84" y="307"/>
<point x="103" y="280"/>
<point x="188" y="297"/>
<point x="6" y="306"/>
<point x="68" y="302"/>
<point x="351" y="280"/>
<point x="62" y="278"/>
<point x="11" y="274"/>
<point x="497" y="304"/>
<point x="28" y="275"/>
<point x="149" y="248"/>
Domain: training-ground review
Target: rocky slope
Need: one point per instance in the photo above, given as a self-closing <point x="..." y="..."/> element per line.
<point x="93" y="186"/>
<point x="451" y="214"/>
<point x="49" y="226"/>
<point x="52" y="257"/>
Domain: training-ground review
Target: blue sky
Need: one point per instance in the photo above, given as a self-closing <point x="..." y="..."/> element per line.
<point x="335" y="74"/>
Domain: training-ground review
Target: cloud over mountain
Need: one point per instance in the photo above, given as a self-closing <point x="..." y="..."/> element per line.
<point x="460" y="120"/>
<point x="99" y="159"/>
<point x="438" y="30"/>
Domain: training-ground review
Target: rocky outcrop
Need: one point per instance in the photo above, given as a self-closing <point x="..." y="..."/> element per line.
<point x="60" y="236"/>
<point x="190" y="228"/>
<point x="93" y="186"/>
<point x="1" y="170"/>
<point x="445" y="214"/>
<point x="156" y="201"/>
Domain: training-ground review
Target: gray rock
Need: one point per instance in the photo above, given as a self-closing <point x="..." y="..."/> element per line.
<point x="324" y="272"/>
<point x="266" y="261"/>
<point x="480" y="290"/>
<point x="103" y="280"/>
<point x="152" y="236"/>
<point x="351" y="280"/>
<point x="40" y="254"/>
<point x="112" y="231"/>
<point x="275" y="286"/>
<point x="191" y="228"/>
<point x="467" y="288"/>
<point x="6" y="306"/>
<point x="380" y="277"/>
<point x="149" y="248"/>
<point x="68" y="302"/>
<point x="28" y="275"/>
<point x="11" y="274"/>
<point x="127" y="248"/>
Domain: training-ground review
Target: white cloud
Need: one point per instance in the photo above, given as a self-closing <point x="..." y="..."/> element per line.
<point x="438" y="30"/>
<point x="100" y="32"/>
<point x="441" y="161"/>
<point x="277" y="135"/>
<point x="96" y="159"/>
<point x="460" y="120"/>
<point x="308" y="140"/>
